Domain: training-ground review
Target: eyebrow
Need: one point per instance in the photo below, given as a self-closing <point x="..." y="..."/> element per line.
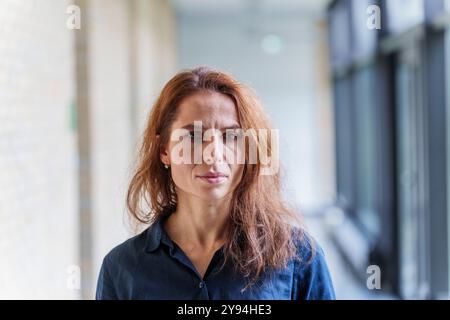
<point x="191" y="126"/>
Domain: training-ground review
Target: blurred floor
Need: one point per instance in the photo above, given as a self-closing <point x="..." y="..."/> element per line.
<point x="345" y="283"/>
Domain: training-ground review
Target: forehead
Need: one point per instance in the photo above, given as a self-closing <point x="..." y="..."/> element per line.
<point x="214" y="109"/>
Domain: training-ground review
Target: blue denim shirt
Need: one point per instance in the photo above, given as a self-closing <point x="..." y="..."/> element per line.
<point x="152" y="266"/>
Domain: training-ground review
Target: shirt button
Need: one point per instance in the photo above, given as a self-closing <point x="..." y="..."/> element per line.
<point x="201" y="285"/>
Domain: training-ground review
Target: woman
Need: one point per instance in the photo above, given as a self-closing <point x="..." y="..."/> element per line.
<point x="219" y="228"/>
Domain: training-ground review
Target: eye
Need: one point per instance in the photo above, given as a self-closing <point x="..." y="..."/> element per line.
<point x="192" y="135"/>
<point x="232" y="135"/>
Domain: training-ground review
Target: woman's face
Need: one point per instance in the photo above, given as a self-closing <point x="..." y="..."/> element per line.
<point x="214" y="173"/>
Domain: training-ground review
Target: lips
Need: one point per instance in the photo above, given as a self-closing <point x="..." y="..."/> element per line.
<point x="213" y="175"/>
<point x="213" y="178"/>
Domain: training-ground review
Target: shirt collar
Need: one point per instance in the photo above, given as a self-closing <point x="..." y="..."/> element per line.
<point x="157" y="234"/>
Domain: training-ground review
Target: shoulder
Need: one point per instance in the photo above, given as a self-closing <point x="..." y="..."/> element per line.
<point x="117" y="266"/>
<point x="127" y="252"/>
<point x="309" y="252"/>
<point x="308" y="248"/>
<point x="312" y="276"/>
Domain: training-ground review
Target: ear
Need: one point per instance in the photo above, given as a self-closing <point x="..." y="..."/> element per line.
<point x="163" y="152"/>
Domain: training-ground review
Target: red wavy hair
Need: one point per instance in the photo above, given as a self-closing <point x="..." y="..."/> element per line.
<point x="264" y="229"/>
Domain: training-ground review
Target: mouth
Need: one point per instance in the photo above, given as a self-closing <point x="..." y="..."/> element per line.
<point x="213" y="178"/>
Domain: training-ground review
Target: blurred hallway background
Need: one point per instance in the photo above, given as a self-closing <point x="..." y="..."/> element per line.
<point x="362" y="115"/>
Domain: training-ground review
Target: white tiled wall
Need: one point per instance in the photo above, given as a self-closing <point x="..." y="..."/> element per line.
<point x="38" y="182"/>
<point x="39" y="195"/>
<point x="124" y="79"/>
<point x="155" y="52"/>
<point x="110" y="118"/>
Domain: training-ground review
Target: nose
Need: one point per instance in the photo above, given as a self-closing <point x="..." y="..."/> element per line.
<point x="214" y="150"/>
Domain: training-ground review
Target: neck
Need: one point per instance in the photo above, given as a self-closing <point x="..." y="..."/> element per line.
<point x="197" y="222"/>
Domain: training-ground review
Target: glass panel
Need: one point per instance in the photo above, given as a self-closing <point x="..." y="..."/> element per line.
<point x="344" y="141"/>
<point x="447" y="63"/>
<point x="411" y="174"/>
<point x="340" y="33"/>
<point x="365" y="136"/>
<point x="404" y="14"/>
<point x="364" y="39"/>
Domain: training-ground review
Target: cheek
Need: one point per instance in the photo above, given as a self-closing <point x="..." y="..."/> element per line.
<point x="237" y="171"/>
<point x="234" y="156"/>
<point x="181" y="175"/>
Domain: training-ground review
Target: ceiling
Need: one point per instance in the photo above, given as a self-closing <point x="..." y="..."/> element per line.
<point x="241" y="6"/>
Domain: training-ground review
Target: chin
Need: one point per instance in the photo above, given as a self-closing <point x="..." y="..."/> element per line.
<point x="212" y="194"/>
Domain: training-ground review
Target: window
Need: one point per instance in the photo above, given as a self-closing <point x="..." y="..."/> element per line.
<point x="392" y="111"/>
<point x="364" y="39"/>
<point x="340" y="33"/>
<point x="344" y="142"/>
<point x="447" y="63"/>
<point x="411" y="176"/>
<point x="404" y="14"/>
<point x="365" y="109"/>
